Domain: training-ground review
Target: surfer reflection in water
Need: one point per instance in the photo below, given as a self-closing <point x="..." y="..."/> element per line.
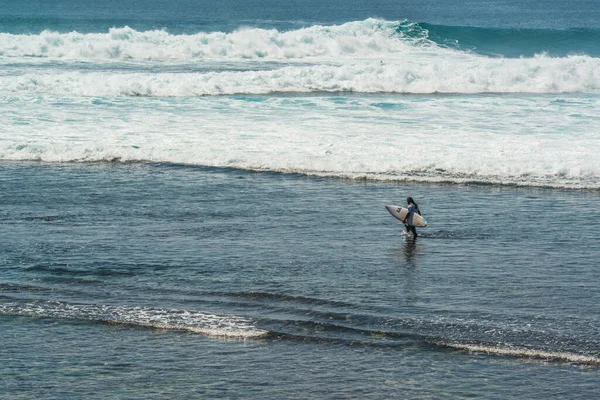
<point x="413" y="208"/>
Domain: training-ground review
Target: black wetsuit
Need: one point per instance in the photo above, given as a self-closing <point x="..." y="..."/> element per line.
<point x="410" y="228"/>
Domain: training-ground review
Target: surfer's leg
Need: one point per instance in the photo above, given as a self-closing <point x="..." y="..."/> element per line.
<point x="414" y="231"/>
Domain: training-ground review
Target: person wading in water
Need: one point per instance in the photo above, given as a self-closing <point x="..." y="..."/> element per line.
<point x="413" y="208"/>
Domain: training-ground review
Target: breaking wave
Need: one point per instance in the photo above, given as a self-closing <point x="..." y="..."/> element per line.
<point x="362" y="38"/>
<point x="371" y="56"/>
<point x="106" y="97"/>
<point x="471" y="75"/>
<point x="545" y="171"/>
<point x="371" y="37"/>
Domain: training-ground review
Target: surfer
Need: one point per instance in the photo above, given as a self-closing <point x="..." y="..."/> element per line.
<point x="412" y="209"/>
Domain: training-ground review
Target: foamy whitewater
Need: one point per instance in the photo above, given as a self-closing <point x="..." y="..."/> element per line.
<point x="477" y="118"/>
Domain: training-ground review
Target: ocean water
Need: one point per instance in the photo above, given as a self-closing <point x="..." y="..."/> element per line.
<point x="192" y="199"/>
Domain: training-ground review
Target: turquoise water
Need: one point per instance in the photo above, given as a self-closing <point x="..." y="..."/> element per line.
<point x="193" y="195"/>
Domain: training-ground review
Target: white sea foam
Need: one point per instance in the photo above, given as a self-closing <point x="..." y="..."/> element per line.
<point x="360" y="38"/>
<point x="423" y="75"/>
<point x="506" y="140"/>
<point x="111" y="109"/>
<point x="188" y="320"/>
<point x="525" y="352"/>
<point x="365" y="56"/>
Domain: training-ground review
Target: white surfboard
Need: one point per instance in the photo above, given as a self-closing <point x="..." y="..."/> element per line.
<point x="400" y="213"/>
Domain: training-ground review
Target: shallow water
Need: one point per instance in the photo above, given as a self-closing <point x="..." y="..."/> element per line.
<point x="229" y="283"/>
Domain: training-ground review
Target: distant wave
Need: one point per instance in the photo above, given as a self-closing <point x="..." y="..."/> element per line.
<point x="187" y="320"/>
<point x="426" y="75"/>
<point x="371" y="56"/>
<point x="368" y="38"/>
<point x="357" y="39"/>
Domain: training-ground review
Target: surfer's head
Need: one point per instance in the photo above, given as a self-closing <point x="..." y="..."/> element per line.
<point x="410" y="200"/>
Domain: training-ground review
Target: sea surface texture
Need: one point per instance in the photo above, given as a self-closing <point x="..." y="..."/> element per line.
<point x="192" y="199"/>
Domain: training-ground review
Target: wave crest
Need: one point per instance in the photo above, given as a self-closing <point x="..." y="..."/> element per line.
<point x="359" y="38"/>
<point x="469" y="75"/>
